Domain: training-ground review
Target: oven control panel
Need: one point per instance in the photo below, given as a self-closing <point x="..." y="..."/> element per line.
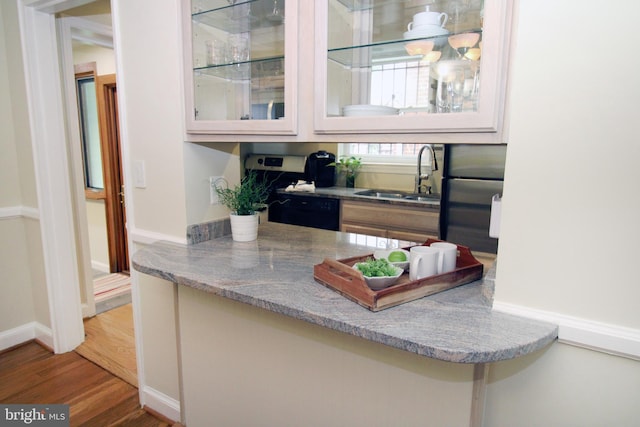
<point x="275" y="162"/>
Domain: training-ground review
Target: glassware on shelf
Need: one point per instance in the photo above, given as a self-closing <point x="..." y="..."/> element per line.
<point x="238" y="67"/>
<point x="216" y="52"/>
<point x="456" y="85"/>
<point x="276" y="14"/>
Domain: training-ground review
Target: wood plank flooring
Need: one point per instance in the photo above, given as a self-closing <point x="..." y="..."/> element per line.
<point x="110" y="343"/>
<point x="31" y="374"/>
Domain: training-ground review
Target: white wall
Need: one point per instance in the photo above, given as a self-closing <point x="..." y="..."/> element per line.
<point x="24" y="302"/>
<point x="150" y="92"/>
<point x="200" y="163"/>
<point x="570" y="218"/>
<point x="564" y="386"/>
<point x="570" y="213"/>
<point x="97" y="222"/>
<point x="102" y="56"/>
<point x="147" y="44"/>
<point x="246" y="366"/>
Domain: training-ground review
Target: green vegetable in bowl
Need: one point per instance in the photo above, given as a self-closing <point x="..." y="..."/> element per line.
<point x="376" y="268"/>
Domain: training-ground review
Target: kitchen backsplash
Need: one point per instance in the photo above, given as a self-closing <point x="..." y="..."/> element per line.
<point x="390" y="178"/>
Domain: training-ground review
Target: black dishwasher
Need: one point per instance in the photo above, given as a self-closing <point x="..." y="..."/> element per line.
<point x="308" y="211"/>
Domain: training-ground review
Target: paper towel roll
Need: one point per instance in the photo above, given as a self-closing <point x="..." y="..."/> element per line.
<point x="496" y="214"/>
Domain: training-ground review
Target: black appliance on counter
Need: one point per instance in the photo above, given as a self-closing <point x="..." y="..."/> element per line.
<point x="318" y="169"/>
<point x="293" y="208"/>
<point x="472" y="174"/>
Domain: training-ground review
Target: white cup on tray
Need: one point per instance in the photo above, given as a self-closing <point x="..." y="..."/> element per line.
<point x="424" y="262"/>
<point x="448" y="255"/>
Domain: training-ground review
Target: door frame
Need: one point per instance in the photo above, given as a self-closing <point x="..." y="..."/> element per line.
<point x="46" y="110"/>
<point x="69" y="29"/>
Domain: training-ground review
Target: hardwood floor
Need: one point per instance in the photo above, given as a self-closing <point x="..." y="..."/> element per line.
<point x="31" y="374"/>
<point x="110" y="343"/>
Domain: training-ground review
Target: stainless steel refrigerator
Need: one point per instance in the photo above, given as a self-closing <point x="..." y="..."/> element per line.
<point x="472" y="174"/>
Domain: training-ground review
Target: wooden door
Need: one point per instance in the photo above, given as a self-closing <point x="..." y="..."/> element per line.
<point x="107" y="97"/>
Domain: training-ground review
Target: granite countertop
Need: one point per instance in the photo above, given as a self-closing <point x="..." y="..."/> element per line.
<point x="276" y="273"/>
<point x="344" y="193"/>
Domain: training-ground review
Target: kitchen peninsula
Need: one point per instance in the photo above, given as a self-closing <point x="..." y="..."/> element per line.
<point x="419" y="353"/>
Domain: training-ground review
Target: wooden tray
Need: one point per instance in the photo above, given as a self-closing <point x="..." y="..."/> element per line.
<point x="340" y="276"/>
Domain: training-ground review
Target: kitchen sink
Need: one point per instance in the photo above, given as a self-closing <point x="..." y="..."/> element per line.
<point x="381" y="194"/>
<point x="401" y="195"/>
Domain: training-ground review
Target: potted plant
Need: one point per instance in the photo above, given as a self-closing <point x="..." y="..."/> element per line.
<point x="243" y="201"/>
<point x="349" y="165"/>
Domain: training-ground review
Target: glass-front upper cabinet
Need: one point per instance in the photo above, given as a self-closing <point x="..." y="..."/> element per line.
<point x="412" y="65"/>
<point x="241" y="71"/>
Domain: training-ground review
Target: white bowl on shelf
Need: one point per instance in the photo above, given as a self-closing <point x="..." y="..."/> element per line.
<point x="368" y="110"/>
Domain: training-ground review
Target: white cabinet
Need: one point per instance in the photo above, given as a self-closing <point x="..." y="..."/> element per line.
<point x="326" y="55"/>
<point x="240" y="66"/>
<point x="444" y="76"/>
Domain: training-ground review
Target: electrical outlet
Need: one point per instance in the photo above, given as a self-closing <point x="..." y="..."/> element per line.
<point x="215" y="181"/>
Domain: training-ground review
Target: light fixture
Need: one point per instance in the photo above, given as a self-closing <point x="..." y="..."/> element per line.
<point x="432" y="56"/>
<point x="463" y="42"/>
<point x="419" y="47"/>
<point x="473" y="54"/>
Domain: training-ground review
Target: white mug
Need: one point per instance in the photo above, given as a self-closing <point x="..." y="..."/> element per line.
<point x="448" y="255"/>
<point x="423" y="262"/>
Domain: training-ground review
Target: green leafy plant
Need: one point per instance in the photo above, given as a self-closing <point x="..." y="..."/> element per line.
<point x="350" y="165"/>
<point x="245" y="197"/>
<point x="376" y="268"/>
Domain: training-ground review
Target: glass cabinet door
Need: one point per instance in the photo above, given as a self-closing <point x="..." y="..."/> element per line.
<point x="411" y="66"/>
<point x="240" y="68"/>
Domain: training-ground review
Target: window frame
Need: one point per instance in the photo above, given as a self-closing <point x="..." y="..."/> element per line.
<point x="83" y="72"/>
<point x="404" y="165"/>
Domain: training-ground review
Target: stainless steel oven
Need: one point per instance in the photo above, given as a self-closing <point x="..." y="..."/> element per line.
<point x="293" y="208"/>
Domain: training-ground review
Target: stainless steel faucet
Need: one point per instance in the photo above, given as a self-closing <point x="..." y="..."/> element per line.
<point x="420" y="176"/>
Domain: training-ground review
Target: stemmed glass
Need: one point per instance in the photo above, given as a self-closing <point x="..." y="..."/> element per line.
<point x="276" y="14"/>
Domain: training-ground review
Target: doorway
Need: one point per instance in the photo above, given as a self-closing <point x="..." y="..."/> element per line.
<point x="102" y="166"/>
<point x="103" y="186"/>
<point x="88" y="57"/>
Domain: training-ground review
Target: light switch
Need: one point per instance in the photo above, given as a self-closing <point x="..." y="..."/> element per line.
<point x="139" y="176"/>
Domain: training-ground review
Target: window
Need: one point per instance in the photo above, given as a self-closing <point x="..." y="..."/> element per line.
<point x="90" y="132"/>
<point x="390" y="153"/>
<point x="403" y="85"/>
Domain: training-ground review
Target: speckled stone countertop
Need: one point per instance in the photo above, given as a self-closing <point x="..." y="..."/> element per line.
<point x="276" y="273"/>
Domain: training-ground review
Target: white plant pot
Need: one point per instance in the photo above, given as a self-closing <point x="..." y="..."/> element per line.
<point x="244" y="228"/>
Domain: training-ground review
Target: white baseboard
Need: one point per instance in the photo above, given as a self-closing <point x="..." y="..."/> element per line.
<point x="100" y="266"/>
<point x="161" y="403"/>
<point x="11" y="212"/>
<point x="25" y="333"/>
<point x="147" y="237"/>
<point x="598" y="336"/>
